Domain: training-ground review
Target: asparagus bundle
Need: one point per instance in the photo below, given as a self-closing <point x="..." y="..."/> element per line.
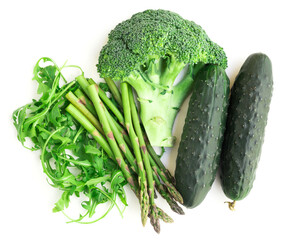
<point x="116" y="127"/>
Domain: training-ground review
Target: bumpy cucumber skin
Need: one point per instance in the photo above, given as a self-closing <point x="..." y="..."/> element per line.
<point x="247" y="117"/>
<point x="199" y="150"/>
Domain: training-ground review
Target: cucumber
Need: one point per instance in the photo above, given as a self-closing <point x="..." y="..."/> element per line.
<point x="200" y="146"/>
<point x="247" y="117"/>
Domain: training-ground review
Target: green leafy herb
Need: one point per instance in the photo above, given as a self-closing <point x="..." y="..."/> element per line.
<point x="70" y="158"/>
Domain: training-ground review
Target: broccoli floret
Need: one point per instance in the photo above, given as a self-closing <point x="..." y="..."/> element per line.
<point x="148" y="51"/>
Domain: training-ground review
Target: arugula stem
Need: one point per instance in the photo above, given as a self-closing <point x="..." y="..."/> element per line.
<point x="80" y="130"/>
<point x="45" y="168"/>
<point x="56" y="137"/>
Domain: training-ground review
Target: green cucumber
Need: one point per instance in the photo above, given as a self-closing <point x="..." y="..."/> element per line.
<point x="200" y="146"/>
<point x="247" y="117"/>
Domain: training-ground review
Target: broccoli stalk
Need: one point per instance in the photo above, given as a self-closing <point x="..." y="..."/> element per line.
<point x="159" y="100"/>
<point x="149" y="51"/>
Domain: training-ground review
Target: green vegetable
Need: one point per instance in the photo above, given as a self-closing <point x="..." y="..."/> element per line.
<point x="199" y="150"/>
<point x="164" y="186"/>
<point x="247" y="117"/>
<point x="70" y="157"/>
<point x="153" y="156"/>
<point x="144" y="197"/>
<point x="74" y="112"/>
<point x="85" y="112"/>
<point x="167" y="189"/>
<point x="134" y="123"/>
<point x="93" y="93"/>
<point x="149" y="51"/>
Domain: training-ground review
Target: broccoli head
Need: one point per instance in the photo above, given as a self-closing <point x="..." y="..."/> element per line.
<point x="149" y="51"/>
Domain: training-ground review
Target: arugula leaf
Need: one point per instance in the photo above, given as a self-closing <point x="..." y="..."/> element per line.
<point x="70" y="158"/>
<point x="45" y="76"/>
<point x="93" y="150"/>
<point x="63" y="202"/>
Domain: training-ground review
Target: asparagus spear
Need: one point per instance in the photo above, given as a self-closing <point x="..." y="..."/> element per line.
<point x="116" y="94"/>
<point x="161" y="188"/>
<point x="80" y="106"/>
<point x="171" y="188"/>
<point x="163" y="215"/>
<point x="135" y="144"/>
<point x="90" y="128"/>
<point x="93" y="94"/>
<point x="157" y="160"/>
<point x="165" y="175"/>
<point x="89" y="105"/>
<point x="114" y="90"/>
<point x="163" y="192"/>
<point x="122" y="144"/>
<point x="156" y="163"/>
<point x="85" y="100"/>
<point x="154" y="217"/>
<point x="109" y="103"/>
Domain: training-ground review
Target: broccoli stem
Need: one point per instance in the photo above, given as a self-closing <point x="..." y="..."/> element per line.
<point x="155" y="111"/>
<point x="172" y="70"/>
<point x="160" y="103"/>
<point x="184" y="87"/>
<point x="158" y="117"/>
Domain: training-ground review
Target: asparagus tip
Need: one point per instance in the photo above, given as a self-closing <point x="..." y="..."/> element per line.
<point x="154" y="219"/>
<point x="176" y="208"/>
<point x="164" y="216"/>
<point x="144" y="202"/>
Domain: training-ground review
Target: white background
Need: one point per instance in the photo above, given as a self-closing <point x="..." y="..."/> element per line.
<point x="76" y="31"/>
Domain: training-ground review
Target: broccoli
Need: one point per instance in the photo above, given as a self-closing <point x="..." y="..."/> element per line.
<point x="149" y="51"/>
